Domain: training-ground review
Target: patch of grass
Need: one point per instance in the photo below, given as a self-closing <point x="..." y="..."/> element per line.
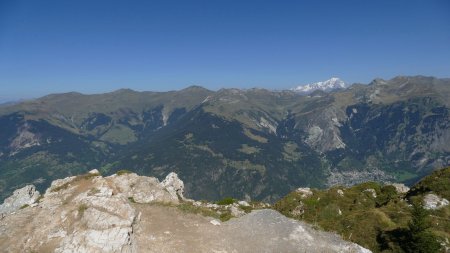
<point x="119" y="134"/>
<point x="24" y="206"/>
<point x="123" y="172"/>
<point x="61" y="187"/>
<point x="291" y="152"/>
<point x="379" y="224"/>
<point x="93" y="191"/>
<point x="437" y="182"/>
<point x="255" y="137"/>
<point x="190" y="208"/>
<point x="226" y="201"/>
<point x="81" y="210"/>
<point x="247" y="209"/>
<point x="76" y="179"/>
<point x="245" y="165"/>
<point x="40" y="198"/>
<point x="225" y="216"/>
<point x="249" y="150"/>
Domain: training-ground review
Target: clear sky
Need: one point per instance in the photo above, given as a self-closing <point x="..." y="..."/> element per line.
<point x="94" y="46"/>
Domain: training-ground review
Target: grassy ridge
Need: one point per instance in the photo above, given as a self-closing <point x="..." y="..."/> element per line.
<point x="370" y="214"/>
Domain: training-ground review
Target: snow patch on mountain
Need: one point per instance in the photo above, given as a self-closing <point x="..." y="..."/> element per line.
<point x="328" y="85"/>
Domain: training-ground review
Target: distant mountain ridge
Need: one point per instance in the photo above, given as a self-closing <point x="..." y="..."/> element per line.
<point x="331" y="84"/>
<point x="255" y="144"/>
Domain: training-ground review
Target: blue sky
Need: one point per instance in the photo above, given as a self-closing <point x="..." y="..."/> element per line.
<point x="94" y="46"/>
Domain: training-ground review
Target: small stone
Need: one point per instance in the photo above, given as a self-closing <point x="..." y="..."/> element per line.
<point x="94" y="171"/>
<point x="340" y="192"/>
<point x="215" y="222"/>
<point x="243" y="203"/>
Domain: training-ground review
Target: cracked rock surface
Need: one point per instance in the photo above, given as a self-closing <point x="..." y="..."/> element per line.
<point x="130" y="213"/>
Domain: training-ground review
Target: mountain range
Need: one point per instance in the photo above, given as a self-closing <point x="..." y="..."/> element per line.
<point x="331" y="84"/>
<point x="248" y="144"/>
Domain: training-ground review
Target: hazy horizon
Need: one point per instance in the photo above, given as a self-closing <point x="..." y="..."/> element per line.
<point x="5" y="100"/>
<point x="100" y="46"/>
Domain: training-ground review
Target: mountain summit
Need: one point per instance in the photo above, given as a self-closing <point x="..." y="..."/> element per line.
<point x="328" y="85"/>
<point x="128" y="213"/>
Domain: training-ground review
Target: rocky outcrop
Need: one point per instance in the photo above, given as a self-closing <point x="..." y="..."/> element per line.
<point x="174" y="185"/>
<point x="269" y="231"/>
<point x="304" y="192"/>
<point x="19" y="199"/>
<point x="432" y="202"/>
<point x="141" y="189"/>
<point x="400" y="188"/>
<point x="128" y="213"/>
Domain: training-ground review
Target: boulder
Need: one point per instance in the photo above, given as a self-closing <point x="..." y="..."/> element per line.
<point x="20" y="197"/>
<point x="142" y="189"/>
<point x="304" y="192"/>
<point x="215" y="222"/>
<point x="174" y="185"/>
<point x="433" y="202"/>
<point x="400" y="188"/>
<point x="298" y="210"/>
<point x="236" y="211"/>
<point x="94" y="172"/>
<point x="243" y="203"/>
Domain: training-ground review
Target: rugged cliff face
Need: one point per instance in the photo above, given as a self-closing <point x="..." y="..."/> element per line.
<point x="131" y="213"/>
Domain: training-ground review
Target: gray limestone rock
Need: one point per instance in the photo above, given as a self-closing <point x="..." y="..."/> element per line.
<point x="400" y="188"/>
<point x="96" y="214"/>
<point x="20" y="197"/>
<point x="432" y="201"/>
<point x="174" y="185"/>
<point x="269" y="231"/>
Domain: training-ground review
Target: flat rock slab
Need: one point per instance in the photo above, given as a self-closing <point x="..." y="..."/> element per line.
<point x="166" y="229"/>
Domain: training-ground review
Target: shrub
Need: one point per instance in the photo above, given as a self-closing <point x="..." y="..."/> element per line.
<point x="387" y="194"/>
<point x="421" y="240"/>
<point x="190" y="208"/>
<point x="24" y="206"/>
<point x="225" y="216"/>
<point x="226" y="201"/>
<point x="247" y="209"/>
<point x="123" y="172"/>
<point x="81" y="210"/>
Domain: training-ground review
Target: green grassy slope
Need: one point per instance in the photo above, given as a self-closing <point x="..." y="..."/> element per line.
<point x="378" y="223"/>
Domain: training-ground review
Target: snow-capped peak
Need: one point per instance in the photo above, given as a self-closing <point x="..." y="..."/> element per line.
<point x="328" y="85"/>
